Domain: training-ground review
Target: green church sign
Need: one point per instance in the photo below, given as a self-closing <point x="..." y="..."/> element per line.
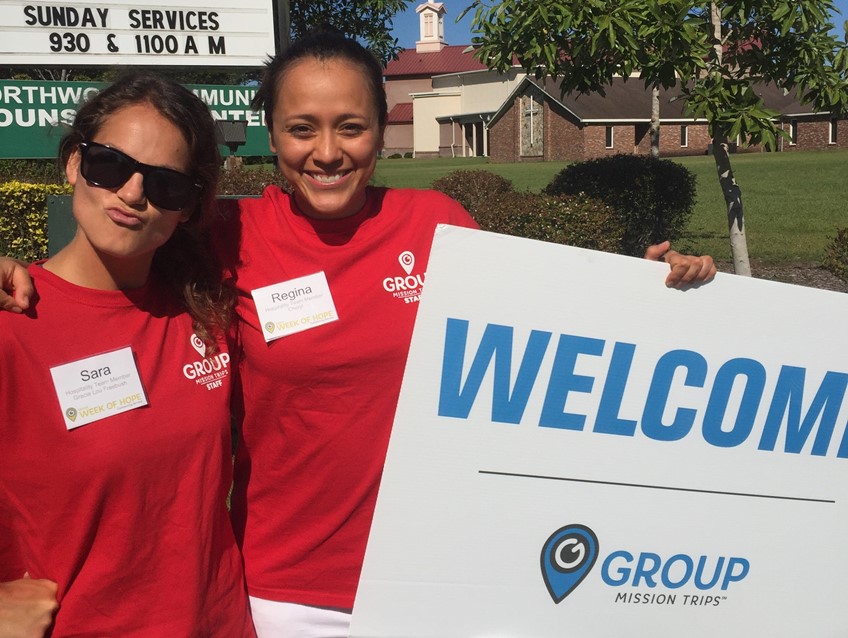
<point x="34" y="115"/>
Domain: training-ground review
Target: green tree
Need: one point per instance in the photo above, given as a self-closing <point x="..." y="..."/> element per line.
<point x="56" y="74"/>
<point x="370" y="21"/>
<point x="714" y="52"/>
<point x="186" y="75"/>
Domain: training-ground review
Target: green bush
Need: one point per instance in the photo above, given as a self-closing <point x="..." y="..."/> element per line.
<point x="653" y="198"/>
<point x="495" y="205"/>
<point x="245" y="181"/>
<point x="33" y="171"/>
<point x="473" y="188"/>
<point x="23" y="218"/>
<point x="836" y="255"/>
<point x="395" y="156"/>
<point x="407" y="155"/>
<point x="574" y="221"/>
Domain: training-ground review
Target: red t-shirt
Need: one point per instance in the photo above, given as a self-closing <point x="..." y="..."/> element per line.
<point x="127" y="514"/>
<point x="319" y="404"/>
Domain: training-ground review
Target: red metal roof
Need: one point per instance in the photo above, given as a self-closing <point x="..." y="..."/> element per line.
<point x="401" y="113"/>
<point x="451" y="59"/>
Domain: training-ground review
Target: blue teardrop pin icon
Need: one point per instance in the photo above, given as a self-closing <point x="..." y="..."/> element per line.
<point x="567" y="557"/>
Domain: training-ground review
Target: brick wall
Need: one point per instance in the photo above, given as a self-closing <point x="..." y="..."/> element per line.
<point x="814" y="134"/>
<point x="503" y="137"/>
<point x="566" y="140"/>
<point x="636" y="138"/>
<point x="698" y="140"/>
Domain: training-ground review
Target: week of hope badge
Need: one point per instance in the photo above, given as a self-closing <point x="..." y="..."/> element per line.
<point x="294" y="306"/>
<point x="98" y="387"/>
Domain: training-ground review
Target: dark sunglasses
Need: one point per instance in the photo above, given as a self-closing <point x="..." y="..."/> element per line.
<point x="110" y="168"/>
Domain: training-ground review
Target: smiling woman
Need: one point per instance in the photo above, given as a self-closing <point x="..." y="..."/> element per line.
<point x="321" y="370"/>
<point x="327" y="150"/>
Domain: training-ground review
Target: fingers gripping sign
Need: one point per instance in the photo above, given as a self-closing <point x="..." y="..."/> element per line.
<point x="686" y="270"/>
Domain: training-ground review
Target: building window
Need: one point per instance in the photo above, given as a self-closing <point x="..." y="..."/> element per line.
<point x="684" y="136"/>
<point x="428" y="25"/>
<point x="793" y="132"/>
<point x="608" y="137"/>
<point x="831" y="138"/>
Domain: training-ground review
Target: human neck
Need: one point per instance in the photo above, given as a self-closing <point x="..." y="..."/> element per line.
<point x="80" y="264"/>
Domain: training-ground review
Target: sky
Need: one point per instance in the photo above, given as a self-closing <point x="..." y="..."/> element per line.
<point x="406" y="24"/>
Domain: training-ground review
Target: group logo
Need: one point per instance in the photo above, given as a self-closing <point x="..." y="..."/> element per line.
<point x="571" y="552"/>
<point x="409" y="287"/>
<point x="198" y="345"/>
<point x="567" y="558"/>
<point x="407" y="261"/>
<point x="209" y="371"/>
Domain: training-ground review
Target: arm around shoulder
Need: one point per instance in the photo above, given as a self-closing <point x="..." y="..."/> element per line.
<point x="27" y="607"/>
<point x="15" y="285"/>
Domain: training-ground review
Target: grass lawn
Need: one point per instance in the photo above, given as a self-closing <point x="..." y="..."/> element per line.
<point x="409" y="173"/>
<point x="794" y="202"/>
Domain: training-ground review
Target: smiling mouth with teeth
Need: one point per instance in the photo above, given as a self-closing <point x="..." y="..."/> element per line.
<point x="327" y="179"/>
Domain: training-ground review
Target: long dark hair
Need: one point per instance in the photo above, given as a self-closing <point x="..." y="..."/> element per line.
<point x="185" y="262"/>
<point x="322" y="45"/>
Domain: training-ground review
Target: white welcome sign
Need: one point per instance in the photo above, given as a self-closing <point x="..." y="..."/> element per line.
<point x="579" y="451"/>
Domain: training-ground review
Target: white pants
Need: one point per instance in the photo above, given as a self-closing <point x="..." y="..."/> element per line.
<point x="287" y="620"/>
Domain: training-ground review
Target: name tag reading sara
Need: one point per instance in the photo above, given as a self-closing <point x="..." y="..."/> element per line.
<point x="98" y="387"/>
<point x="294" y="306"/>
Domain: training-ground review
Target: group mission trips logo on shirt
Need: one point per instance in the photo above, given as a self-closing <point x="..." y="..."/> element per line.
<point x="647" y="578"/>
<point x="409" y="287"/>
<point x="209" y="371"/>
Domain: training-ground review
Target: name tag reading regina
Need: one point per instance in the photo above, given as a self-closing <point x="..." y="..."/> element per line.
<point x="98" y="387"/>
<point x="294" y="306"/>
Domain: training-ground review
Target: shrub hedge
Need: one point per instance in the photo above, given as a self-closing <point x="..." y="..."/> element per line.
<point x="573" y="220"/>
<point x="23" y="218"/>
<point x="35" y="171"/>
<point x="653" y="198"/>
<point x="244" y="181"/>
<point x="473" y="188"/>
<point x="836" y="255"/>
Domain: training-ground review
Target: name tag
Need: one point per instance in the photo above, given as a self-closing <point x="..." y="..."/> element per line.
<point x="98" y="387"/>
<point x="294" y="306"/>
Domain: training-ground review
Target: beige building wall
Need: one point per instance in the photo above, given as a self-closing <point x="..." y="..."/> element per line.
<point x="397" y="139"/>
<point x="460" y="95"/>
<point x="482" y="91"/>
<point x="398" y="91"/>
<point x="426" y="107"/>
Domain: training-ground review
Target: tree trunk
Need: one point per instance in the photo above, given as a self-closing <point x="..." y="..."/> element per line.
<point x="729" y="187"/>
<point x="655" y="122"/>
<point x="733" y="200"/>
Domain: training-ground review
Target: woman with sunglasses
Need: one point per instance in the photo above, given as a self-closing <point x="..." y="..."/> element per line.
<point x="114" y="401"/>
